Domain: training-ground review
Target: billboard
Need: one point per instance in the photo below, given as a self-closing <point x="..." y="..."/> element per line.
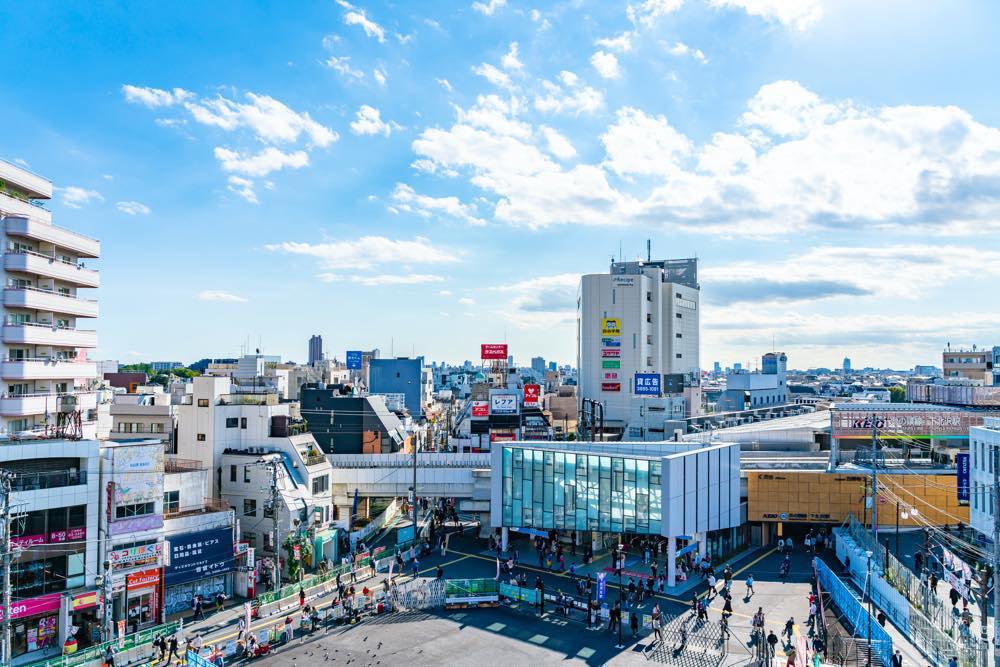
<point x="611" y="363"/>
<point x="613" y="353"/>
<point x="611" y="342"/>
<point x="610" y="375"/>
<point x="354" y="360"/>
<point x="503" y="404"/>
<point x="480" y="409"/>
<point x="962" y="472"/>
<point x="611" y="386"/>
<point x="138" y="473"/>
<point x="532" y="393"/>
<point x="647" y="384"/>
<point x="201" y="554"/>
<point x="611" y="326"/>
<point x="493" y="351"/>
<point x="857" y="423"/>
<point x="673" y="383"/>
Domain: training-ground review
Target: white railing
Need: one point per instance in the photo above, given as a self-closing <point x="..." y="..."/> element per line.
<point x="424" y="460"/>
<point x="12" y="288"/>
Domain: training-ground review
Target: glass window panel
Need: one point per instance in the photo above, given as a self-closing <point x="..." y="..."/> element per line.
<point x="537" y="490"/>
<point x="508" y="461"/>
<point x="547" y="498"/>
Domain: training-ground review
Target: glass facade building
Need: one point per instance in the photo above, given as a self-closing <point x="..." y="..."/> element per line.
<point x="558" y="490"/>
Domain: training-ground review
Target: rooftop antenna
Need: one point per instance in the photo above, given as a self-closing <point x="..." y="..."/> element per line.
<point x="619" y="250"/>
<point x="649" y="250"/>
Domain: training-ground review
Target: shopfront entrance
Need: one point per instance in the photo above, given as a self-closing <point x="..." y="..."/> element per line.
<point x="35" y="625"/>
<point x="142" y="599"/>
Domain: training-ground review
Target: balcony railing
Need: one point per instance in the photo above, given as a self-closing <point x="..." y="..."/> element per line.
<point x="207" y="505"/>
<point x="51" y="258"/>
<point x="33" y="481"/>
<point x="49" y="292"/>
<point x="174" y="464"/>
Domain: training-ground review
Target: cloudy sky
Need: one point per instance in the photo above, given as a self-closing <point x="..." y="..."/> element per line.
<point x="424" y="177"/>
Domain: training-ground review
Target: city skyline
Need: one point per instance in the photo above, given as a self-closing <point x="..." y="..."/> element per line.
<point x="423" y="182"/>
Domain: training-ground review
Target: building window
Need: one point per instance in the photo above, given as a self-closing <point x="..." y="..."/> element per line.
<point x="678" y="355"/>
<point x="138" y="509"/>
<point x="250" y="539"/>
<point x="649" y="361"/>
<point x="243" y="422"/>
<point x="201" y="437"/>
<point x="171" y="502"/>
<point x="677" y="335"/>
<point x="202" y="402"/>
<point x="649" y="296"/>
<point x="232" y="473"/>
<point x="232" y="422"/>
<point x="246" y="474"/>
<point x="649" y="318"/>
<point x="321" y="484"/>
<point x="249" y="507"/>
<point x="649" y="339"/>
<point x="678" y="295"/>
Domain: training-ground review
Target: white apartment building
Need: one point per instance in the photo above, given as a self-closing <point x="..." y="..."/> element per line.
<point x="47" y="380"/>
<point x="983" y="441"/>
<point x="639" y="318"/>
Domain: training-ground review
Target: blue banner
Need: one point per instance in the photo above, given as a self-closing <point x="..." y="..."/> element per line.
<point x="201" y="554"/>
<point x="602" y="585"/>
<point x="647" y="384"/>
<point x="354" y="360"/>
<point x="962" y="471"/>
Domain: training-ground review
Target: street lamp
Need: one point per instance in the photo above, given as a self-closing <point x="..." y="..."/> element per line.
<point x="868" y="587"/>
<point x="621" y="591"/>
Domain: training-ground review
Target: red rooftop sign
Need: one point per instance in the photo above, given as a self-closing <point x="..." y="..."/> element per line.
<point x="494" y="351"/>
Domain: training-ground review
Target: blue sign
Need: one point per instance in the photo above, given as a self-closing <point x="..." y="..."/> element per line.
<point x="611" y="342"/>
<point x="962" y="467"/>
<point x="602" y="585"/>
<point x="202" y="554"/>
<point x="354" y="360"/>
<point x="647" y="384"/>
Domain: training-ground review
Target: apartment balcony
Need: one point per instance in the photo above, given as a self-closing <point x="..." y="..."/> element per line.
<point x="32" y="333"/>
<point x="48" y="301"/>
<point x="46" y="368"/>
<point x="19" y="177"/>
<point x="10" y="205"/>
<point x="81" y="245"/>
<point x="50" y="267"/>
<point x="25" y="405"/>
<point x="34" y="481"/>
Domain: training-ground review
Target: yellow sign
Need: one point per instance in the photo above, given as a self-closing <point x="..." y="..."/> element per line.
<point x="611" y="326"/>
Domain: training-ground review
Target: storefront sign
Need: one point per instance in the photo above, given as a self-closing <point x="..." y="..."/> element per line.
<point x="503" y="404"/>
<point x="480" y="409"/>
<point x="143" y="579"/>
<point x="611" y="326"/>
<point x="611" y="342"/>
<point x="647" y="384"/>
<point x="962" y="472"/>
<point x="354" y="360"/>
<point x="201" y="554"/>
<point x="611" y="386"/>
<point x="34" y="606"/>
<point x="493" y="351"/>
<point x="28" y="541"/>
<point x="136" y="524"/>
<point x="904" y="423"/>
<point x="531" y="394"/>
<point x="84" y="601"/>
<point x="611" y="363"/>
<point x="610" y="375"/>
<point x="71" y="535"/>
<point x="614" y="353"/>
<point x="136" y="554"/>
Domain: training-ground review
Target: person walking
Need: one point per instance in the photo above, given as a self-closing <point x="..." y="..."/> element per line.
<point x="711" y="585"/>
<point x="199" y="608"/>
<point x="896" y="660"/>
<point x="727" y="608"/>
<point x="633" y="622"/>
<point x="302" y="597"/>
<point x="242" y="628"/>
<point x="789" y="628"/>
<point x="791" y="654"/>
<point x="172" y="649"/>
<point x="220" y="600"/>
<point x="109" y="657"/>
<point x="772" y="642"/>
<point x="750" y="590"/>
<point x="657" y="622"/>
<point x="758" y="623"/>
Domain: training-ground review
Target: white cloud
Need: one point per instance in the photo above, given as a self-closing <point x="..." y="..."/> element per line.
<point x="467" y="301"/>
<point x="132" y="208"/>
<point x="368" y="252"/>
<point x="382" y="279"/>
<point x="606" y="64"/>
<point x="510" y="60"/>
<point x="541" y="302"/>
<point x="568" y="78"/>
<point x="681" y="49"/>
<point x="579" y="100"/>
<point x="219" y="295"/>
<point x="270" y="120"/>
<point x="444" y="292"/>
<point x="244" y="187"/>
<point x="368" y="121"/>
<point x="557" y="144"/>
<point x="263" y="163"/>
<point x="489" y="7"/>
<point x="379" y="76"/>
<point x="108" y="177"/>
<point x="644" y="145"/>
<point x="797" y="14"/>
<point x="621" y="43"/>
<point x="492" y="74"/>
<point x="77" y="197"/>
<point x="170" y="122"/>
<point x="647" y="12"/>
<point x="155" y="97"/>
<point x="357" y="16"/>
<point x="445" y="84"/>
<point x="342" y="64"/>
<point x="407" y="199"/>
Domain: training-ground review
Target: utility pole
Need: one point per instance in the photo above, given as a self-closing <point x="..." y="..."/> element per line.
<point x="5" y="552"/>
<point x="874" y="480"/>
<point x="995" y="452"/>
<point x="413" y="504"/>
<point x="272" y="464"/>
<point x="108" y="601"/>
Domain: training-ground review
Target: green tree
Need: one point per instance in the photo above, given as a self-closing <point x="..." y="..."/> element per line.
<point x="897" y="395"/>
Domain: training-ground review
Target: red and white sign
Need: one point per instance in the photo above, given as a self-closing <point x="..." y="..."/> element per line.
<point x="71" y="535"/>
<point x="613" y="352"/>
<point x="27" y="541"/>
<point x="611" y="375"/>
<point x="611" y="386"/>
<point x="480" y="408"/>
<point x="143" y="579"/>
<point x="501" y="437"/>
<point x="34" y="606"/>
<point x="532" y="392"/>
<point x="493" y="351"/>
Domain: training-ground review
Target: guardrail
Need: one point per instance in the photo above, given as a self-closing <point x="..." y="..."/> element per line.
<point x="136" y="640"/>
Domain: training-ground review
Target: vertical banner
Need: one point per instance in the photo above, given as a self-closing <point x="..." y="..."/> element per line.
<point x="602" y="585"/>
<point x="121" y="634"/>
<point x="962" y="474"/>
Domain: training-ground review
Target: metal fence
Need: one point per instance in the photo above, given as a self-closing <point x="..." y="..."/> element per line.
<point x="132" y="641"/>
<point x="854" y="611"/>
<point x="929" y="623"/>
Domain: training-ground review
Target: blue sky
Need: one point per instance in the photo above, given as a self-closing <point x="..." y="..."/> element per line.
<point x="429" y="176"/>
